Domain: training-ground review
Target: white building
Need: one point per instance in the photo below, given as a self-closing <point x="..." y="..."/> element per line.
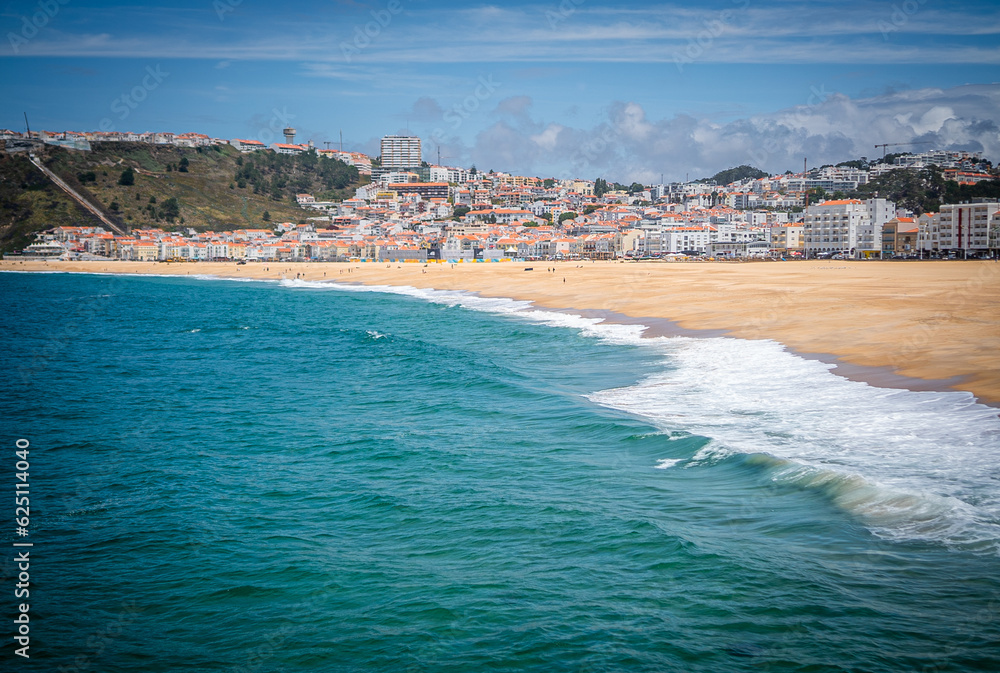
<point x="880" y="211"/>
<point x="680" y="239"/>
<point x="247" y="145"/>
<point x="969" y="227"/>
<point x="850" y="225"/>
<point x="786" y="237"/>
<point x="286" y="148"/>
<point x="448" y="174"/>
<point x="400" y="152"/>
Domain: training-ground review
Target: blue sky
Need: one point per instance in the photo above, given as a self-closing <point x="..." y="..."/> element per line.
<point x="570" y="88"/>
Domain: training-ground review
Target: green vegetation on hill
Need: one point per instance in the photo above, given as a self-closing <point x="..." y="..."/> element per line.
<point x="282" y="176"/>
<point x="602" y="187"/>
<point x="29" y="203"/>
<point x="925" y="190"/>
<point x="140" y="185"/>
<point x="733" y="174"/>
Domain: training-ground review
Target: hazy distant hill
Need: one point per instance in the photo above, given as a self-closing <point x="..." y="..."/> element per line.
<point x="207" y="195"/>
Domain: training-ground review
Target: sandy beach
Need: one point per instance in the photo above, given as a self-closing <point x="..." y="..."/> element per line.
<point x="936" y="321"/>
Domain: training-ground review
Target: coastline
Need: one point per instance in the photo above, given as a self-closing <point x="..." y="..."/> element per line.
<point x="878" y="376"/>
<point x="911" y="325"/>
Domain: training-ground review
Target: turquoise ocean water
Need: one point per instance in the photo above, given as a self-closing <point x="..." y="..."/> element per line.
<point x="253" y="476"/>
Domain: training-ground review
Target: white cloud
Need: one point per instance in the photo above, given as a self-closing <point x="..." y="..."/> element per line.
<point x="745" y="32"/>
<point x="832" y="128"/>
<point x="548" y="138"/>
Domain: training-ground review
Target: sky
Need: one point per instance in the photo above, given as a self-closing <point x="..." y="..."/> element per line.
<point x="637" y="92"/>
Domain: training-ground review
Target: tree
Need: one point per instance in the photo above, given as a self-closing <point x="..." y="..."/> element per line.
<point x="956" y="193"/>
<point x="891" y="157"/>
<point x="549" y="183"/>
<point x="636" y="188"/>
<point x="741" y="172"/>
<point x="183" y="167"/>
<point x="816" y="195"/>
<point x="919" y="190"/>
<point x="601" y="187"/>
<point x="266" y="217"/>
<point x="546" y="216"/>
<point x="115" y="206"/>
<point x="568" y="215"/>
<point x="170" y="210"/>
<point x="473" y="171"/>
<point x="127" y="178"/>
<point x="460" y="211"/>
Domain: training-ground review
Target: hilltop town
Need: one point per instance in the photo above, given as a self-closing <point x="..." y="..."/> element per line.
<point x="412" y="211"/>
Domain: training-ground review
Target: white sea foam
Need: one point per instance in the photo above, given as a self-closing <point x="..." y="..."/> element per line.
<point x="909" y="465"/>
<point x="592" y="327"/>
<point x="667" y="463"/>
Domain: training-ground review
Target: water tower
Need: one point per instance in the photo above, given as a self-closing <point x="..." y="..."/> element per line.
<point x="289" y="135"/>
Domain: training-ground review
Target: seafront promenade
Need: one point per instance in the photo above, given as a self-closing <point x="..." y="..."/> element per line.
<point x="938" y="321"/>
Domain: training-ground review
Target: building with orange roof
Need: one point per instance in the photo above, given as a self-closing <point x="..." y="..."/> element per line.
<point x="287" y="148"/>
<point x="849" y="226"/>
<point x="900" y="237"/>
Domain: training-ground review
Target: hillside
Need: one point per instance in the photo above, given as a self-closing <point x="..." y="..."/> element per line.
<point x="731" y="175"/>
<point x="171" y="186"/>
<point x="29" y="202"/>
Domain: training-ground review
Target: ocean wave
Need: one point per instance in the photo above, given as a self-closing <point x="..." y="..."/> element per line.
<point x="909" y="465"/>
<point x="526" y="310"/>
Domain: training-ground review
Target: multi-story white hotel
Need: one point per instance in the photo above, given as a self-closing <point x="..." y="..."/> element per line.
<point x="969" y="227"/>
<point x="849" y="225"/>
<point x="400" y="152"/>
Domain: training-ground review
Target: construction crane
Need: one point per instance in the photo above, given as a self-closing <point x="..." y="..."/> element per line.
<point x="916" y="142"/>
<point x="439" y="155"/>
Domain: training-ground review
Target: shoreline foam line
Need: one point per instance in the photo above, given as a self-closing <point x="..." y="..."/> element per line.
<point x="653" y="327"/>
<point x="878" y="376"/>
<point x="926" y="321"/>
<point x="909" y="465"/>
<point x="798" y="439"/>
